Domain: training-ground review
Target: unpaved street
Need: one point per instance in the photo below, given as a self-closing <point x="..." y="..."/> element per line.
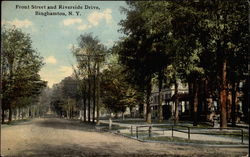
<point x="54" y="137"/>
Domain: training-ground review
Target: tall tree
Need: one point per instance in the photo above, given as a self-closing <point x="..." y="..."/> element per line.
<point x="21" y="64"/>
<point x="141" y="50"/>
<point x="117" y="93"/>
<point x="90" y="53"/>
<point x="227" y="34"/>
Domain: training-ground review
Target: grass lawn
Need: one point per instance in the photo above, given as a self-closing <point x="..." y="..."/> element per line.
<point x="15" y="122"/>
<point x="182" y="140"/>
<point x="104" y="126"/>
<point x="141" y="134"/>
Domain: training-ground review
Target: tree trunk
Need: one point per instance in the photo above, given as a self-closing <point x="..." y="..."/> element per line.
<point x="195" y="101"/>
<point x="130" y="110"/>
<point x="67" y="112"/>
<point x="89" y="99"/>
<point x="72" y="111"/>
<point x="89" y="88"/>
<point x="98" y="95"/>
<point x="11" y="79"/>
<point x="191" y="102"/>
<point x="176" y="112"/>
<point x="110" y="122"/>
<point x="22" y="113"/>
<point x="160" y="116"/>
<point x="1" y="89"/>
<point x="10" y="114"/>
<point x="19" y="112"/>
<point x="205" y="96"/>
<point x="234" y="98"/>
<point x="84" y="107"/>
<point x="15" y="114"/>
<point x="223" y="96"/>
<point x="148" y="114"/>
<point x="3" y="117"/>
<point x="123" y="116"/>
<point x="29" y="112"/>
<point x="94" y="98"/>
<point x="229" y="103"/>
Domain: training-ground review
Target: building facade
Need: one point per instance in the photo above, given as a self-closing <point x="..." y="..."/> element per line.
<point x="168" y="103"/>
<point x="208" y="106"/>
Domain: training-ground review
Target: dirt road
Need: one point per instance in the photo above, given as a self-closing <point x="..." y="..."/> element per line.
<point x="52" y="137"/>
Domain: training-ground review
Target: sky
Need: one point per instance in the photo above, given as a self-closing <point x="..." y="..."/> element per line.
<point x="53" y="35"/>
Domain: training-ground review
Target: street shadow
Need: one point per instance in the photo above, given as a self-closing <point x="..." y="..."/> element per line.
<point x="57" y="123"/>
<point x="73" y="150"/>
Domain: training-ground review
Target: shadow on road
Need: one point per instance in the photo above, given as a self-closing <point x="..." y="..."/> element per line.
<point x="104" y="150"/>
<point x="57" y="123"/>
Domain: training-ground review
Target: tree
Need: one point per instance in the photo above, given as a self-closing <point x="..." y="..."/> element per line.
<point x="137" y="52"/>
<point x="199" y="39"/>
<point x="90" y="54"/>
<point x="21" y="64"/>
<point x="226" y="27"/>
<point x="43" y="104"/>
<point x="57" y="101"/>
<point x="69" y="92"/>
<point x="117" y="93"/>
<point x="80" y="76"/>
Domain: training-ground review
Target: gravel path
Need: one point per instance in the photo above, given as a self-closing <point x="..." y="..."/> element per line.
<point x="54" y="137"/>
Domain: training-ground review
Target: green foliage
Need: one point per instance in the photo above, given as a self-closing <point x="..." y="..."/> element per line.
<point x="69" y="87"/>
<point x="21" y="64"/>
<point x="190" y="40"/>
<point x="64" y="95"/>
<point x="116" y="93"/>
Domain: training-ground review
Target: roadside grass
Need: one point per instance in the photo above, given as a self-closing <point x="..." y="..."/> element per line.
<point x="167" y="122"/>
<point x="141" y="134"/>
<point x="219" y="133"/>
<point x="154" y="137"/>
<point x="105" y="127"/>
<point x="236" y="134"/>
<point x="15" y="122"/>
<point x="135" y="122"/>
<point x="232" y="134"/>
<point x="203" y="128"/>
<point x="182" y="140"/>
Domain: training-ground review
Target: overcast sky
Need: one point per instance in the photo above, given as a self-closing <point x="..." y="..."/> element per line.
<point x="53" y="36"/>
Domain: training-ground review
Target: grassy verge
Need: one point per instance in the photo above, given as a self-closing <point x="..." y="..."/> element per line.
<point x="234" y="135"/>
<point x="182" y="140"/>
<point x="135" y="122"/>
<point x="183" y="125"/>
<point x="140" y="134"/>
<point x="104" y="126"/>
<point x="144" y="134"/>
<point x="15" y="122"/>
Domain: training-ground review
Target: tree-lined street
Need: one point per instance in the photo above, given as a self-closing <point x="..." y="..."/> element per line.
<point x="53" y="137"/>
<point x="168" y="63"/>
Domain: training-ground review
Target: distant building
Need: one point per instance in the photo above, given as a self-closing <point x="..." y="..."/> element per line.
<point x="168" y="101"/>
<point x="208" y="106"/>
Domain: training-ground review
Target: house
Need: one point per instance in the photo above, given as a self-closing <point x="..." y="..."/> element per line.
<point x="168" y="95"/>
<point x="208" y="106"/>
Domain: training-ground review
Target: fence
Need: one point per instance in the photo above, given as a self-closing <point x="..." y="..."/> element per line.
<point x="185" y="129"/>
